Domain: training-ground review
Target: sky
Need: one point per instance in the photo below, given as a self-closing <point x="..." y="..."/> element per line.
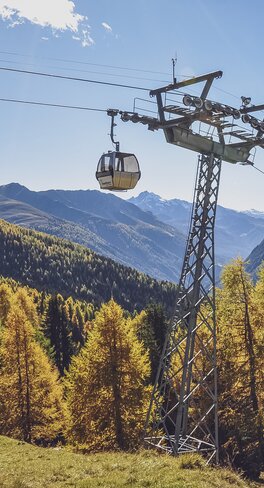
<point x="129" y="43"/>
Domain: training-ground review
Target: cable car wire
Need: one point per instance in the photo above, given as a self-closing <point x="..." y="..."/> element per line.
<point x="92" y="64"/>
<point x="72" y="107"/>
<point x="105" y="74"/>
<point x="260" y="170"/>
<point x="114" y="67"/>
<point x="56" y="105"/>
<point x="117" y="75"/>
<point x="63" y="77"/>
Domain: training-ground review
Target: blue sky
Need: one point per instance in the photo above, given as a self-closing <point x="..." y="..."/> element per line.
<point x="58" y="148"/>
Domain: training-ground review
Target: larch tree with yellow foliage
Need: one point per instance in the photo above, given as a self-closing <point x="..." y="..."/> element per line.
<point x="239" y="361"/>
<point x="106" y="385"/>
<point x="5" y="302"/>
<point x="31" y="403"/>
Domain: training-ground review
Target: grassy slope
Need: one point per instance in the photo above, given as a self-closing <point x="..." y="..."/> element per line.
<point x="25" y="466"/>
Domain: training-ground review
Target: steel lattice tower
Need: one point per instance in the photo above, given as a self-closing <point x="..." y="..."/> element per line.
<point x="182" y="415"/>
<point x="187" y="373"/>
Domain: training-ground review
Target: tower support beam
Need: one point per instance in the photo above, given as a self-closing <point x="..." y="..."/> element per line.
<point x="183" y="411"/>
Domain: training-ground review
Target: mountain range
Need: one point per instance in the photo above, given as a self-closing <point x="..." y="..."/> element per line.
<point x="102" y="222"/>
<point x="146" y="232"/>
<point x="236" y="233"/>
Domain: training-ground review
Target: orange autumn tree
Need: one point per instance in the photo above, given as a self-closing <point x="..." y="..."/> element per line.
<point x="240" y="315"/>
<point x="106" y="385"/>
<point x="5" y="302"/>
<point x="31" y="404"/>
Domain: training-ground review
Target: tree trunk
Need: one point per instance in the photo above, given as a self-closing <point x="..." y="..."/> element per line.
<point x="249" y="341"/>
<point x="28" y="402"/>
<point x="117" y="394"/>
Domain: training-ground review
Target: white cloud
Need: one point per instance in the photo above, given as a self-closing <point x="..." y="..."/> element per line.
<point x="107" y="27"/>
<point x="59" y="15"/>
<point x="16" y="22"/>
<point x="86" y="38"/>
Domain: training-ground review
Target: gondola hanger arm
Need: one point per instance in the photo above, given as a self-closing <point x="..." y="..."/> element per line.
<point x="113" y="113"/>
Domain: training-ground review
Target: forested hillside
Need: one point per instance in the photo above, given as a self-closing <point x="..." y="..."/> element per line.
<point x="255" y="259"/>
<point x="55" y="265"/>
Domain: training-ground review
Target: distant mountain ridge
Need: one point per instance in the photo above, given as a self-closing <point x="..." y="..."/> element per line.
<point x="237" y="233"/>
<point x="102" y="222"/>
<point x="174" y="212"/>
<point x="255" y="213"/>
<point x="20" y="213"/>
<point x="146" y="232"/>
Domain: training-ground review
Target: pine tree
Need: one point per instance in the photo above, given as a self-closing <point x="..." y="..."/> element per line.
<point x="106" y="391"/>
<point x="42" y="304"/>
<point x="145" y="334"/>
<point x="31" y="405"/>
<point x="57" y="330"/>
<point x="156" y="320"/>
<point x="77" y="328"/>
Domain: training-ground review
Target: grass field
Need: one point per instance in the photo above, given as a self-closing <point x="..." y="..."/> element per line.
<point x="26" y="466"/>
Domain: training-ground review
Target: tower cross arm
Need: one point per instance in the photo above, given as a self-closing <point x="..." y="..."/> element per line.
<point x="209" y="77"/>
<point x="252" y="108"/>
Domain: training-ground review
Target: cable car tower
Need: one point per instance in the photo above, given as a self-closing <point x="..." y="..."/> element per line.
<point x="183" y="414"/>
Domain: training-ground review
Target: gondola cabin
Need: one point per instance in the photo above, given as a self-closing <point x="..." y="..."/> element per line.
<point x="118" y="171"/>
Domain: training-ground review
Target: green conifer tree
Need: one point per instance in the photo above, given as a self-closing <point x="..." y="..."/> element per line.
<point x="151" y="330"/>
<point x="57" y="329"/>
<point x="77" y="328"/>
